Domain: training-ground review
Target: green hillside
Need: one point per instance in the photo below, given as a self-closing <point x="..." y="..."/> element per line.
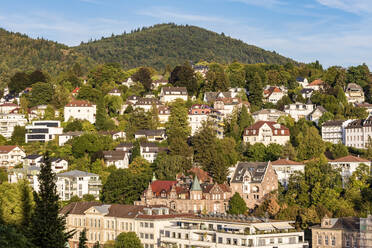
<point x="19" y="52"/>
<point x="170" y="44"/>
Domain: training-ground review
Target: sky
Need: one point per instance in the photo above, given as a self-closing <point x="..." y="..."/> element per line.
<point x="335" y="32"/>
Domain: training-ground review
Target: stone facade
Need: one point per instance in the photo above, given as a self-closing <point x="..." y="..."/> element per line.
<point x="253" y="181"/>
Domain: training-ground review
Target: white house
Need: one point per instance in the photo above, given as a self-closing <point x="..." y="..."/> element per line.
<point x="170" y="94"/>
<point x="198" y="113"/>
<point x="316" y="85"/>
<point x="7" y="108"/>
<point x="80" y="109"/>
<point x="307" y="92"/>
<point x="63" y="138"/>
<point x="129" y="82"/>
<point x="147" y="103"/>
<point x="156" y="135"/>
<point x="43" y="131"/>
<point x="78" y="183"/>
<point x="9" y="121"/>
<point x="29" y="173"/>
<point x="118" y="158"/>
<point x="357" y="133"/>
<point x="33" y="160"/>
<point x="149" y="151"/>
<point x="210" y="97"/>
<point x="158" y="83"/>
<point x="348" y="165"/>
<point x="58" y="165"/>
<point x="316" y="114"/>
<point x="226" y="106"/>
<point x="11" y="156"/>
<point x="163" y="114"/>
<point x="299" y="110"/>
<point x="266" y="132"/>
<point x="284" y="168"/>
<point x="302" y="81"/>
<point x="114" y="92"/>
<point x="354" y="93"/>
<point x="268" y="115"/>
<point x="273" y="94"/>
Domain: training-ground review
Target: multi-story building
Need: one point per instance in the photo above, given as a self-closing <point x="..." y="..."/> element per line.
<point x="63" y="138"/>
<point x="284" y="168"/>
<point x="316" y="114"/>
<point x="58" y="165"/>
<point x="226" y="106"/>
<point x="302" y="81"/>
<point x="299" y="110"/>
<point x="149" y="151"/>
<point x="273" y="94"/>
<point x="43" y="131"/>
<point x="11" y="156"/>
<point x="118" y="158"/>
<point x="266" y="132"/>
<point x="163" y="114"/>
<point x="225" y="231"/>
<point x="342" y="232"/>
<point x="80" y="109"/>
<point x="186" y="196"/>
<point x="198" y="114"/>
<point x="253" y="181"/>
<point x="170" y="94"/>
<point x="104" y="222"/>
<point x="268" y="115"/>
<point x="348" y="165"/>
<point x="156" y="135"/>
<point x="211" y="97"/>
<point x="8" y="107"/>
<point x="147" y="103"/>
<point x="9" y="121"/>
<point x="357" y="133"/>
<point x="333" y="131"/>
<point x="78" y="183"/>
<point x="354" y="93"/>
<point x="316" y="85"/>
<point x="33" y="160"/>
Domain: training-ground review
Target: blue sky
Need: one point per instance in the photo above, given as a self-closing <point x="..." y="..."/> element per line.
<point x="336" y="32"/>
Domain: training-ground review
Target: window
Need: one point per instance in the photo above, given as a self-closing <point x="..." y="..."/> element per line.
<point x="271" y="241"/>
<point x="261" y="242"/>
<point x="151" y="236"/>
<point x="220" y="240"/>
<point x="333" y="240"/>
<point x="280" y="240"/>
<point x="235" y="241"/>
<point x="228" y="241"/>
<point x="151" y="225"/>
<point x="326" y="242"/>
<point x="319" y="239"/>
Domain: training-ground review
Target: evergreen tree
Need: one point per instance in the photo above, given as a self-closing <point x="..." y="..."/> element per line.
<point x="83" y="239"/>
<point x="101" y="116"/>
<point x="26" y="201"/>
<point x="47" y="226"/>
<point x="184" y="76"/>
<point x="18" y="135"/>
<point x="255" y="88"/>
<point x="245" y="119"/>
<point x="143" y="75"/>
<point x="237" y="205"/>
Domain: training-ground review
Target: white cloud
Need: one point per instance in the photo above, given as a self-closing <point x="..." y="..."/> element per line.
<point x="353" y="6"/>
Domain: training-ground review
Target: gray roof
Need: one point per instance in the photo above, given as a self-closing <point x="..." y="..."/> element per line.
<point x="151" y="132"/>
<point x="212" y="96"/>
<point x="76" y="173"/>
<point x="104" y="209"/>
<point x="333" y="123"/>
<point x="269" y="111"/>
<point x="33" y="156"/>
<point x="256" y="171"/>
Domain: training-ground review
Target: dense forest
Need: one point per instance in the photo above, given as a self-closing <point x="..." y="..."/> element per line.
<point x="157" y="46"/>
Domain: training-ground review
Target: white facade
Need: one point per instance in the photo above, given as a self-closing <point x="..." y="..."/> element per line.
<point x="58" y="165"/>
<point x="354" y="93"/>
<point x="77" y="183"/>
<point x="299" y="110"/>
<point x="273" y="94"/>
<point x="63" y="138"/>
<point x="268" y="115"/>
<point x="334" y="131"/>
<point x="170" y="94"/>
<point x="284" y="168"/>
<point x="81" y="110"/>
<point x="8" y="107"/>
<point x="266" y="133"/>
<point x="357" y="133"/>
<point x="11" y="156"/>
<point x="43" y="131"/>
<point x="197" y="115"/>
<point x="9" y="121"/>
<point x="224" y="233"/>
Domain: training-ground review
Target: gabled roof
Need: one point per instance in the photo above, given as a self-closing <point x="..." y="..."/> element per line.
<point x="8" y="104"/>
<point x="33" y="156"/>
<point x="316" y="82"/>
<point x="212" y="96"/>
<point x="76" y="173"/>
<point x="351" y="159"/>
<point x="273" y="89"/>
<point x="285" y="162"/>
<point x="170" y="90"/>
<point x="79" y="103"/>
<point x="253" y="130"/>
<point x="6" y="149"/>
<point x="255" y="169"/>
<point x="159" y="185"/>
<point x="114" y="155"/>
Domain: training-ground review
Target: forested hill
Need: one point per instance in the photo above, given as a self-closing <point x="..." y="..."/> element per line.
<point x="170" y="44"/>
<point x="19" y="52"/>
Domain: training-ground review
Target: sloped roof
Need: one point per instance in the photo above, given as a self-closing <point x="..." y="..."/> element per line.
<point x="351" y="158"/>
<point x="159" y="185"/>
<point x="212" y="96"/>
<point x="316" y="82"/>
<point x="333" y="123"/>
<point x="76" y="173"/>
<point x="285" y="162"/>
<point x="169" y="90"/>
<point x="78" y="207"/>
<point x="249" y="131"/>
<point x="6" y="149"/>
<point x="79" y="103"/>
<point x="201" y="174"/>
<point x="255" y="169"/>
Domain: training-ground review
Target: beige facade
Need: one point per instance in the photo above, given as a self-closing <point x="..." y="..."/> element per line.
<point x="266" y="132"/>
<point x="254" y="181"/>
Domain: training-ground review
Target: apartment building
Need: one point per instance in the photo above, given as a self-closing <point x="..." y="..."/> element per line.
<point x="198" y="114"/>
<point x="253" y="181"/>
<point x="357" y="133"/>
<point x="227" y="231"/>
<point x="354" y="93"/>
<point x="170" y="94"/>
<point x="78" y="183"/>
<point x="266" y="132"/>
<point x="81" y="110"/>
<point x="343" y="232"/>
<point x="43" y="131"/>
<point x="9" y="121"/>
<point x="120" y="159"/>
<point x="333" y="131"/>
<point x="104" y="222"/>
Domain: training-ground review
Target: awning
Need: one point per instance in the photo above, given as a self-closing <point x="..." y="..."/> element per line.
<point x="263" y="227"/>
<point x="282" y="225"/>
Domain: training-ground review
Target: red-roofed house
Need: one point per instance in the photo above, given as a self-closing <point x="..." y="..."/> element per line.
<point x="273" y="94"/>
<point x="266" y="132"/>
<point x="317" y="84"/>
<point x="10" y="156"/>
<point x="7" y="108"/>
<point x="284" y="168"/>
<point x="197" y="114"/>
<point x="348" y="165"/>
<point x="75" y="92"/>
<point x="186" y="196"/>
<point x="80" y="109"/>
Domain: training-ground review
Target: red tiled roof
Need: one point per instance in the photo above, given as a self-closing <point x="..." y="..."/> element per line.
<point x="6" y="149"/>
<point x="8" y="104"/>
<point x="158" y="186"/>
<point x="201" y="174"/>
<point x="76" y="90"/>
<point x="271" y="90"/>
<point x="316" y="82"/>
<point x="198" y="109"/>
<point x="256" y="126"/>
<point x="351" y="158"/>
<point x="285" y="162"/>
<point x="79" y="103"/>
